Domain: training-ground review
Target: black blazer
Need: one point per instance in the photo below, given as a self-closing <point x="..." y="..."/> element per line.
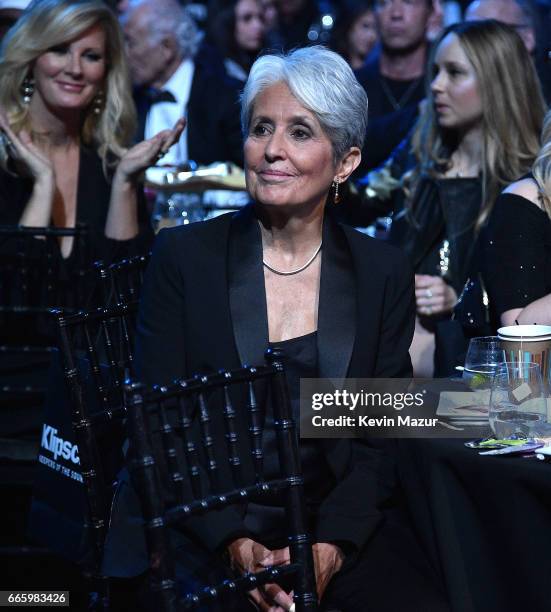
<point x="204" y="308"/>
<point x="214" y="129"/>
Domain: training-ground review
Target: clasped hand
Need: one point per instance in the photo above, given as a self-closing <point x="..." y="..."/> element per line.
<point x="433" y="295"/>
<point x="246" y="555"/>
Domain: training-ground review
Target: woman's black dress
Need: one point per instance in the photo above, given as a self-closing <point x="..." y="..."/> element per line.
<point x="516" y="253"/>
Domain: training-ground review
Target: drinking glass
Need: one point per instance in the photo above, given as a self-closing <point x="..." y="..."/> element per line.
<point x="518" y="402"/>
<point x="483" y="356"/>
<point x="177" y="209"/>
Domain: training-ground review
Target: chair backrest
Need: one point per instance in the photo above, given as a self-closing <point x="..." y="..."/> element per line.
<point x="185" y="443"/>
<point x="105" y="338"/>
<point x="33" y="279"/>
<point x="30" y="269"/>
<point x="121" y="281"/>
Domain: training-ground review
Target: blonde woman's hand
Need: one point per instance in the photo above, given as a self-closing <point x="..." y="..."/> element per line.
<point x="24" y="152"/>
<point x="148" y="152"/>
<point x="433" y="295"/>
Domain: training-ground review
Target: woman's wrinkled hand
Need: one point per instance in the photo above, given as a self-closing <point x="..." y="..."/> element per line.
<point x="328" y="560"/>
<point x="433" y="295"/>
<point x="24" y="152"/>
<point x="246" y="555"/>
<point x="148" y="152"/>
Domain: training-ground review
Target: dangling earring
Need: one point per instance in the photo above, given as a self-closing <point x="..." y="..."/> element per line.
<point x="27" y="89"/>
<point x="336" y="197"/>
<point x="97" y="103"/>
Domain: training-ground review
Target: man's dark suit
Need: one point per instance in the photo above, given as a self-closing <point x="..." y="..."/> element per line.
<point x="204" y="308"/>
<point x="213" y="130"/>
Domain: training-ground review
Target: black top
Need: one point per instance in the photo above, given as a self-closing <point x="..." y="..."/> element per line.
<point x="443" y="210"/>
<point x="516" y="253"/>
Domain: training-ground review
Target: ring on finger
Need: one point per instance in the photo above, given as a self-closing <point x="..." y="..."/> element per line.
<point x="429" y="293"/>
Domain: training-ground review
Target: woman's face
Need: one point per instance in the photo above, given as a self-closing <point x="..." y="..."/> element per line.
<point x="69" y="75"/>
<point x="288" y="157"/>
<point x="363" y="35"/>
<point x="455" y="89"/>
<point x="249" y="25"/>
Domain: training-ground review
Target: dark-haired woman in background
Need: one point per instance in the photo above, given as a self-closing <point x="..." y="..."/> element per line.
<point x="355" y="34"/>
<point x="237" y="31"/>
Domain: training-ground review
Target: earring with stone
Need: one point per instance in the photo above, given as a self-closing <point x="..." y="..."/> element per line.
<point x="336" y="196"/>
<point x="97" y="103"/>
<point x="27" y="89"/>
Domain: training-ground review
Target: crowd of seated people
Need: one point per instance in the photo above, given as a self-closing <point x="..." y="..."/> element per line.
<point x="445" y="137"/>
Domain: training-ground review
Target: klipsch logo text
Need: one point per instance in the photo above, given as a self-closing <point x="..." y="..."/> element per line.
<point x="58" y="446"/>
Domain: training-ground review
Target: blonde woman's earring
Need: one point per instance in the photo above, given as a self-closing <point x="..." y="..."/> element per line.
<point x="97" y="103"/>
<point x="27" y="90"/>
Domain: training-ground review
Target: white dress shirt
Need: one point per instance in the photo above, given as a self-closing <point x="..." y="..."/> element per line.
<point x="163" y="115"/>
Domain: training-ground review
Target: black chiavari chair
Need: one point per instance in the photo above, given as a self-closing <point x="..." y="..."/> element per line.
<point x="102" y="340"/>
<point x="121" y="281"/>
<point x="184" y="445"/>
<point x="33" y="279"/>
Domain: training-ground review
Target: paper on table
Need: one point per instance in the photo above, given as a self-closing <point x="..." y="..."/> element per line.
<point x="521" y="392"/>
<point x="463" y="403"/>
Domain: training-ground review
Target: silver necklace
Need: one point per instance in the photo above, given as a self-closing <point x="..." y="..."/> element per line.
<point x="398" y="104"/>
<point x="282" y="273"/>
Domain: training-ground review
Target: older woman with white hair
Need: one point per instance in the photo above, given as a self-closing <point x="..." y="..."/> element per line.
<point x="283" y="273"/>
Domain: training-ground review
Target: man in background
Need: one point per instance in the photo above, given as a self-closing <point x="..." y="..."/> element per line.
<point x="171" y="80"/>
<point x="520" y="15"/>
<point x="10" y="10"/>
<point x="394" y="78"/>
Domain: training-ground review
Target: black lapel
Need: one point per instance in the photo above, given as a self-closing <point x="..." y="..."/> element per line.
<point x="246" y="287"/>
<point x="337" y="303"/>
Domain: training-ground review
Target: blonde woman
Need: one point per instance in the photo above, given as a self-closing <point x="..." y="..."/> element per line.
<point x="517" y="245"/>
<point x="478" y="132"/>
<point x="67" y="118"/>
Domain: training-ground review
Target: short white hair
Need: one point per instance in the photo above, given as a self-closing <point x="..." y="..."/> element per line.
<point x="322" y="82"/>
<point x="169" y="17"/>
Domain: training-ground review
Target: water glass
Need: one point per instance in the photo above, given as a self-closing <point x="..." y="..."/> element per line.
<point x="177" y="209"/>
<point x="518" y="403"/>
<point x="483" y="356"/>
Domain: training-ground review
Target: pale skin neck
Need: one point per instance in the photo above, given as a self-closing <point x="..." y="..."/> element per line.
<point x="403" y="67"/>
<point x="468" y="154"/>
<point x="291" y="236"/>
<point x="51" y="130"/>
<point x="168" y="71"/>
